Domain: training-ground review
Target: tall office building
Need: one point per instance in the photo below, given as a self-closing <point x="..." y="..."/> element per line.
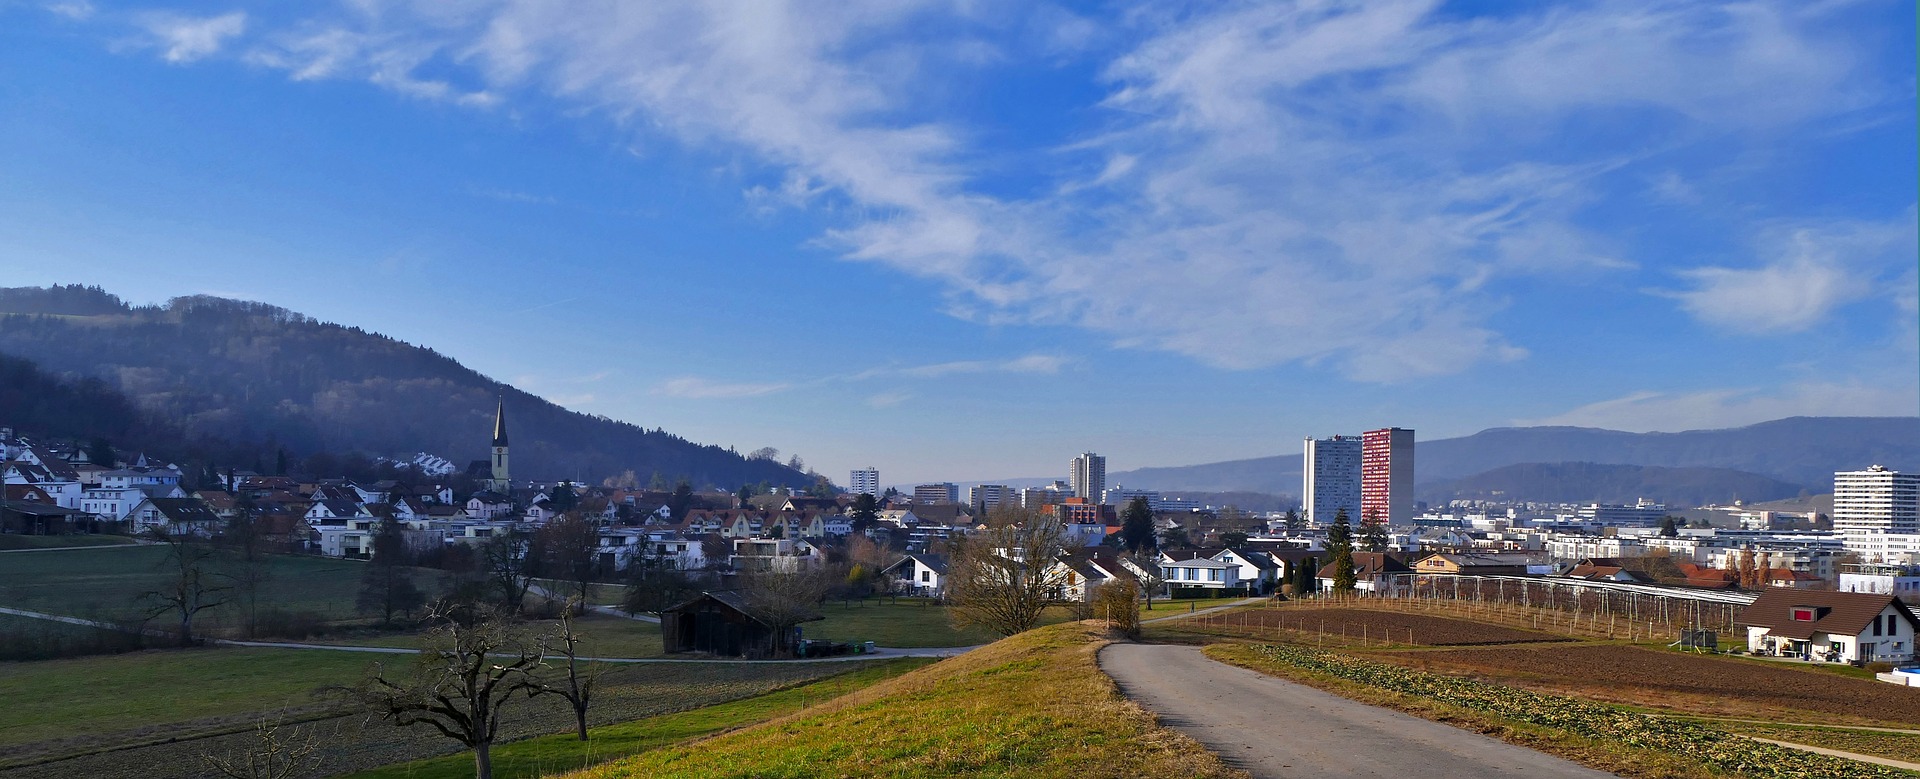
<point x="987" y="497"/>
<point x="1330" y="474"/>
<point x="865" y="480"/>
<point x="1090" y="477"/>
<point x="944" y="492"/>
<point x="1876" y="501"/>
<point x="1386" y="475"/>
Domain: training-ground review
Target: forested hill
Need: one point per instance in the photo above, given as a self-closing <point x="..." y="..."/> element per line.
<point x="1585" y="482"/>
<point x="239" y="371"/>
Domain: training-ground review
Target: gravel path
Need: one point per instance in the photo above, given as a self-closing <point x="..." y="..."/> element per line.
<point x="1273" y="728"/>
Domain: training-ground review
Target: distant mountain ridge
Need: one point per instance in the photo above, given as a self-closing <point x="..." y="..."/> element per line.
<point x="1803" y="451"/>
<point x="1584" y="482"/>
<point x="214" y="368"/>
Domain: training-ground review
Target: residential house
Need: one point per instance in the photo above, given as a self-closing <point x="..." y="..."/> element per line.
<point x="1606" y="569"/>
<point x="1372" y="571"/>
<point x="772" y="554"/>
<point x="1837" y="627"/>
<point x="1455" y="564"/>
<point x="175" y="516"/>
<point x="921" y="573"/>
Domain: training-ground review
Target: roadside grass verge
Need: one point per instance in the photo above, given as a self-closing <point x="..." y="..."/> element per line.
<point x="1033" y="705"/>
<point x="18" y="541"/>
<point x="1895" y="746"/>
<point x="545" y="755"/>
<point x="1608" y="738"/>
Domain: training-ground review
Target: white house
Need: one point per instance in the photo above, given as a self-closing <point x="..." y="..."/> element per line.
<point x="1835" y="627"/>
<point x="920" y="574"/>
<point x="1199" y="572"/>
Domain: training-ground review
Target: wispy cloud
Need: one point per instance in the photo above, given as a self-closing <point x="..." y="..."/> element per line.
<point x="1810" y="272"/>
<point x="1341" y="183"/>
<point x="1032" y="363"/>
<point x="1648" y="411"/>
<point x="888" y="399"/>
<point x="183" y="39"/>
<point x="694" y="387"/>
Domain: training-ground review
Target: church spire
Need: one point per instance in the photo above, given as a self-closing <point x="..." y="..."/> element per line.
<point x="500" y="423"/>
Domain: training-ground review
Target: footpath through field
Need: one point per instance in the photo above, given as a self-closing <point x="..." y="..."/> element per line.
<point x="1271" y="727"/>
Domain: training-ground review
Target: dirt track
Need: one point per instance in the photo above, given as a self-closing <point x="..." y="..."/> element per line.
<point x="1271" y="727"/>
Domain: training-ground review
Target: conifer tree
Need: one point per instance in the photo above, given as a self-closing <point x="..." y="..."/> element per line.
<point x="1340" y="546"/>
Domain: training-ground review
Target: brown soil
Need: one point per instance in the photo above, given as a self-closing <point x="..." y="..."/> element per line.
<point x="1698" y="684"/>
<point x="1374" y="626"/>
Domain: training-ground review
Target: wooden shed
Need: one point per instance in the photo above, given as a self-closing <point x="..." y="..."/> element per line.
<point x="721" y="623"/>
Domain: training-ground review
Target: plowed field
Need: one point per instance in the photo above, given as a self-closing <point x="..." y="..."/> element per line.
<point x="1375" y="626"/>
<point x="1694" y="683"/>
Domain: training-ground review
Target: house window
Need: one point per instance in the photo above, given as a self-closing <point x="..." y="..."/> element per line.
<point x="1803" y="614"/>
<point x="1876" y="626"/>
<point x="926" y="576"/>
<point x="1216" y="575"/>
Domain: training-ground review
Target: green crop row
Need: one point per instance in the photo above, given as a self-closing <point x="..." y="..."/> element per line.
<point x="1593" y="720"/>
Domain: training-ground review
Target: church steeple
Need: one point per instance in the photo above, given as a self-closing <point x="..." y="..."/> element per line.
<point x="500" y="482"/>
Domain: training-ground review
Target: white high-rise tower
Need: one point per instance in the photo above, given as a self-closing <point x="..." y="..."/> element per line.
<point x="865" y="480"/>
<point x="1090" y="476"/>
<point x="1330" y="472"/>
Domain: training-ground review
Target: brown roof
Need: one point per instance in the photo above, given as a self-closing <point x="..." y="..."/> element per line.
<point x="1366" y="565"/>
<point x="1838" y="613"/>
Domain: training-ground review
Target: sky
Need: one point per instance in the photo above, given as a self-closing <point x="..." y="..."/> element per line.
<point x="969" y="240"/>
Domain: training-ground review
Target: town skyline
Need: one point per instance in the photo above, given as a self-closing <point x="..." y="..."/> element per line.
<point x="931" y="221"/>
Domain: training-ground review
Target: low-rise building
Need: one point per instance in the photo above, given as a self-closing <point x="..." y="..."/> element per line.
<point x="1835" y="627"/>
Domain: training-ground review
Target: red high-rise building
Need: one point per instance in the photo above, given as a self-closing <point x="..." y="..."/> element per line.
<point x="1386" y="475"/>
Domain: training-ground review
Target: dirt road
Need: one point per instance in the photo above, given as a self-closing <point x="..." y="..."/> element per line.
<point x="1275" y="728"/>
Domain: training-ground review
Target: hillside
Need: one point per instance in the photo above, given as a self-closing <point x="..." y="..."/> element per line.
<point x="1797" y="450"/>
<point x="1034" y="705"/>
<point x="1586" y="482"/>
<point x="218" y="369"/>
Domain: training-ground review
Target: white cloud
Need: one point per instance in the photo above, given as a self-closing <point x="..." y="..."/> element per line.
<point x="698" y="388"/>
<point x="1340" y="183"/>
<point x="184" y="39"/>
<point x="888" y="399"/>
<point x="1032" y="363"/>
<point x="1812" y="271"/>
<point x="1649" y="411"/>
<point x="77" y="10"/>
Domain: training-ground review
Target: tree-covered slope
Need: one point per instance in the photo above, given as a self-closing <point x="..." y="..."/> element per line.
<point x="235" y="370"/>
<point x="1588" y="482"/>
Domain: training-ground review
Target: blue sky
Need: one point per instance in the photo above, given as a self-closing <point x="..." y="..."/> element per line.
<point x="969" y="240"/>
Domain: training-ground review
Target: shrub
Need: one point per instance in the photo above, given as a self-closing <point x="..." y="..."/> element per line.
<point x="280" y="623"/>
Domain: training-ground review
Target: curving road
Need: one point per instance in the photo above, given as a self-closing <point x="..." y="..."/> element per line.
<point x="1270" y="727"/>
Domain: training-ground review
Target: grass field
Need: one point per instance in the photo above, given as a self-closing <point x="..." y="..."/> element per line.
<point x="154" y="715"/>
<point x="907" y="622"/>
<point x="545" y="755"/>
<point x="1167" y="607"/>
<point x="17" y="541"/>
<point x="154" y="689"/>
<point x="1034" y="705"/>
<point x="604" y="636"/>
<point x="108" y="583"/>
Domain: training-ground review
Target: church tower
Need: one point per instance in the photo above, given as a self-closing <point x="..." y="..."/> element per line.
<point x="500" y="483"/>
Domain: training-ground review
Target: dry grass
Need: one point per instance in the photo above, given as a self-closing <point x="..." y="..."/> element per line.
<point x="1034" y="705"/>
<point x="1896" y="746"/>
<point x="1611" y="757"/>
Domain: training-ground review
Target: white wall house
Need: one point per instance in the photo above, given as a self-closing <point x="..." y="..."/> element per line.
<point x="919" y="574"/>
<point x="1834" y="627"/>
<point x="1200" y="572"/>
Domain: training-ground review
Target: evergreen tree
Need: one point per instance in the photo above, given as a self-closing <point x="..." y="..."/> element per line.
<point x="1294" y="521"/>
<point x="681" y="501"/>
<point x="864" y="514"/>
<point x="1306" y="576"/>
<point x="1667" y="527"/>
<point x="1373" y="533"/>
<point x="1340" y="547"/>
<point x="100" y="452"/>
<point x="1136" y="526"/>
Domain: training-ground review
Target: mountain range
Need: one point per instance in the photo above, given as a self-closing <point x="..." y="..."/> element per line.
<point x="1764" y="461"/>
<point x="213" y="369"/>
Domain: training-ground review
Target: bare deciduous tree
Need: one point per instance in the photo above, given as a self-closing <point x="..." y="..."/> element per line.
<point x="505" y="559"/>
<point x="276" y="753"/>
<point x="1004" y="578"/>
<point x="188" y="588"/>
<point x="577" y="684"/>
<point x="458" y="685"/>
<point x="1145" y="565"/>
<point x="570" y="551"/>
<point x="783" y="599"/>
<point x="1118" y="602"/>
